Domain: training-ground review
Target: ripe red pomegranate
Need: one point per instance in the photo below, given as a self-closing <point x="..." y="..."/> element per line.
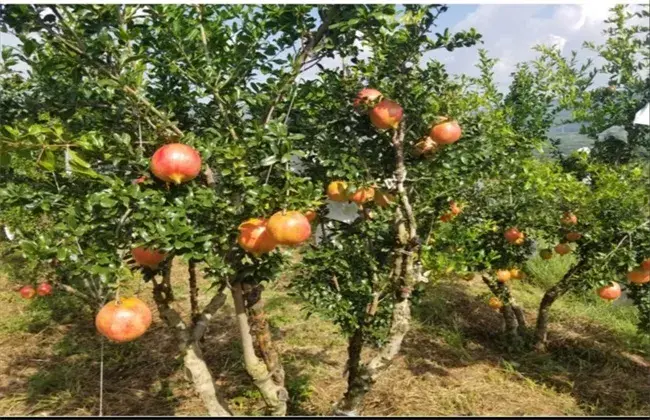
<point x="638" y="276"/>
<point x="27" y="292"/>
<point x="44" y="289"/>
<point x="176" y="163"/>
<point x="289" y="228"/>
<point x="445" y="218"/>
<point x="645" y="265"/>
<point x="363" y="195"/>
<point x="513" y="234"/>
<point x="387" y="114"/>
<point x="569" y="218"/>
<point x="255" y="238"/>
<point x="148" y="257"/>
<point x="573" y="236"/>
<point x="447" y="132"/>
<point x="368" y="97"/>
<point x="562" y="248"/>
<point x="337" y="191"/>
<point x="610" y="292"/>
<point x="123" y="321"/>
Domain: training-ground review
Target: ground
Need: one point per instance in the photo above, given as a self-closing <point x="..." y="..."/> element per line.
<point x="452" y="362"/>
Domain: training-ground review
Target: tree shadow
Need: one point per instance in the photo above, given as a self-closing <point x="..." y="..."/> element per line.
<point x="458" y="329"/>
<point x="55" y="369"/>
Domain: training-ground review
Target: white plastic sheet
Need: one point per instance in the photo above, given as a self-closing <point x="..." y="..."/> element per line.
<point x="642" y="117"/>
<point x="615" y="131"/>
<point x="9" y="233"/>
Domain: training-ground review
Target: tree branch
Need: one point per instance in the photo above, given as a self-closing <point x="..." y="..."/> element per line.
<point x="71" y="290"/>
<point x="203" y="320"/>
<point x="314" y="40"/>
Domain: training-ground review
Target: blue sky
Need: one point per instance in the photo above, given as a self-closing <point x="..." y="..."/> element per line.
<point x="509" y="33"/>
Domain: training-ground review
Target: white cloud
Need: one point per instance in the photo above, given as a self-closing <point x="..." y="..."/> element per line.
<point x="511" y="31"/>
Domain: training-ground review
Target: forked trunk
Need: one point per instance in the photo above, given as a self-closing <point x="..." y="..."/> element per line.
<point x="551" y="295"/>
<point x="541" y="329"/>
<point x="403" y="278"/>
<point x="275" y="396"/>
<point x="261" y="332"/>
<point x="513" y="316"/>
<point x="196" y="369"/>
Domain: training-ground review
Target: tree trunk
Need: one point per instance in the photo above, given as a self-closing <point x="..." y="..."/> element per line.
<point x="196" y="369"/>
<point x="275" y="397"/>
<point x="541" y="329"/>
<point x="357" y="376"/>
<point x="521" y="319"/>
<point x="513" y="316"/>
<point x="551" y="295"/>
<point x="403" y="278"/>
<point x="194" y="302"/>
<point x="261" y="332"/>
<point x="511" y="324"/>
<point x="201" y="378"/>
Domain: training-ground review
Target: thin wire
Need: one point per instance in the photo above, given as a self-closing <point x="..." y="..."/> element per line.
<point x="101" y="379"/>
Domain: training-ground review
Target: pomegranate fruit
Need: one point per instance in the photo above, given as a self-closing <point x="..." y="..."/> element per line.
<point x="310" y="215"/>
<point x="455" y="210"/>
<point x="368" y="97"/>
<point x="148" y="257"/>
<point x="123" y="320"/>
<point x="289" y="228"/>
<point x="337" y="191"/>
<point x="638" y="276"/>
<point x="569" y="218"/>
<point x="447" y="132"/>
<point x="384" y="199"/>
<point x="546" y="254"/>
<point x="386" y="114"/>
<point x="516" y="274"/>
<point x="363" y="195"/>
<point x="562" y="249"/>
<point x="27" y="292"/>
<point x="255" y="237"/>
<point x="513" y="234"/>
<point x="447" y="217"/>
<point x="573" y="236"/>
<point x="503" y="275"/>
<point x="44" y="289"/>
<point x="425" y="146"/>
<point x="176" y="163"/>
<point x="495" y="303"/>
<point x="610" y="292"/>
<point x="646" y="265"/>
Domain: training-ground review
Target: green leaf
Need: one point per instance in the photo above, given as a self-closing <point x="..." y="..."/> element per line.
<point x="47" y="160"/>
<point x="268" y="161"/>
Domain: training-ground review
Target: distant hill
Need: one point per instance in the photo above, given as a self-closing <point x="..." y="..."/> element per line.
<point x="569" y="134"/>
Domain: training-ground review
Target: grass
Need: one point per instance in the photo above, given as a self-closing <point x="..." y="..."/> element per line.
<point x="453" y="361"/>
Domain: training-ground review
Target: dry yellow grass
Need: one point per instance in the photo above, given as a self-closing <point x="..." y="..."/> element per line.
<point x="451" y="363"/>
